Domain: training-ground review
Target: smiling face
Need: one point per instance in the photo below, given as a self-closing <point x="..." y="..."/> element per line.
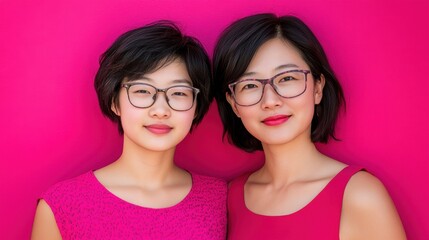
<point x="278" y="120"/>
<point x="158" y="127"/>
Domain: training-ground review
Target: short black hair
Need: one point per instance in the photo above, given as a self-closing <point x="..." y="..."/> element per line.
<point x="233" y="53"/>
<point x="145" y="50"/>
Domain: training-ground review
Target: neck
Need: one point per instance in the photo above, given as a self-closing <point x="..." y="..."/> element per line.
<point x="146" y="166"/>
<point x="291" y="161"/>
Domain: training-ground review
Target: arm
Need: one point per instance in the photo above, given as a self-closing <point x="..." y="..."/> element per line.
<point x="368" y="211"/>
<point x="44" y="226"/>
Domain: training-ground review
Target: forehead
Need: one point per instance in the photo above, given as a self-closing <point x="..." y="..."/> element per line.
<point x="176" y="66"/>
<point x="172" y="72"/>
<point x="274" y="54"/>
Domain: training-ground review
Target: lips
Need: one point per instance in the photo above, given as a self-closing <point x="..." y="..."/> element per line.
<point x="275" y="120"/>
<point x="158" y="128"/>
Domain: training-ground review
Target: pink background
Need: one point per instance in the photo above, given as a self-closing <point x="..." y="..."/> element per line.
<point x="52" y="128"/>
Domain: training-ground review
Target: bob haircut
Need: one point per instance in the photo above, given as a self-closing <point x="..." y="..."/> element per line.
<point x="145" y="50"/>
<point x="233" y="53"/>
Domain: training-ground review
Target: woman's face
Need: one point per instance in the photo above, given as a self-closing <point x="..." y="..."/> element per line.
<point x="158" y="127"/>
<point x="275" y="119"/>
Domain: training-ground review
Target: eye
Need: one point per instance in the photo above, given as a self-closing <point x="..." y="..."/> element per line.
<point x="179" y="93"/>
<point x="287" y="78"/>
<point x="141" y="91"/>
<point x="247" y="85"/>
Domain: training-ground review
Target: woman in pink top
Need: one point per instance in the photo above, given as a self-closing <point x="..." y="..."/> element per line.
<point x="276" y="92"/>
<point x="155" y="83"/>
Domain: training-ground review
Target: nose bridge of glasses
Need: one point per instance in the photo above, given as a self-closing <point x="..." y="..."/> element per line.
<point x="269" y="82"/>
<point x="161" y="90"/>
<point x="157" y="91"/>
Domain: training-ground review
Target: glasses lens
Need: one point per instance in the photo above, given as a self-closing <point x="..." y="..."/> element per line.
<point x="141" y="95"/>
<point x="180" y="98"/>
<point x="290" y="84"/>
<point x="248" y="92"/>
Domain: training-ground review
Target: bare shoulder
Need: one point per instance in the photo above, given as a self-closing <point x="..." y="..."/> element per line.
<point x="368" y="210"/>
<point x="44" y="226"/>
<point x="365" y="190"/>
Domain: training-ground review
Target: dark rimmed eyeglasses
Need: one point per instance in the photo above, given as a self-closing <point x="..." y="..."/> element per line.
<point x="288" y="84"/>
<point x="179" y="98"/>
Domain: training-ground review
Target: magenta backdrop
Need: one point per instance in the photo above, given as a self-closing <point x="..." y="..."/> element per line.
<point x="52" y="128"/>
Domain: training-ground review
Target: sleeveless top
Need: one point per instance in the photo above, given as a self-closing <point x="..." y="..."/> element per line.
<point x="85" y="209"/>
<point x="319" y="219"/>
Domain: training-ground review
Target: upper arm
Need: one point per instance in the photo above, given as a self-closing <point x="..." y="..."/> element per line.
<point x="44" y="226"/>
<point x="368" y="211"/>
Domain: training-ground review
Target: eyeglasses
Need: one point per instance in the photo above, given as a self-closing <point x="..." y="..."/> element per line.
<point x="179" y="98"/>
<point x="288" y="84"/>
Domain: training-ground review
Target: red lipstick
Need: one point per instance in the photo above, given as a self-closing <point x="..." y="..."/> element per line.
<point x="275" y="120"/>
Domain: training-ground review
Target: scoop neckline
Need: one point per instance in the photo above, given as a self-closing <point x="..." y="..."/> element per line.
<point x="124" y="202"/>
<point x="306" y="206"/>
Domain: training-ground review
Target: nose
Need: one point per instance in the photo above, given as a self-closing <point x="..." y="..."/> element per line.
<point x="160" y="108"/>
<point x="270" y="98"/>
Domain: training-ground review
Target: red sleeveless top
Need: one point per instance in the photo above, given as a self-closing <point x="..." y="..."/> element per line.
<point x="319" y="219"/>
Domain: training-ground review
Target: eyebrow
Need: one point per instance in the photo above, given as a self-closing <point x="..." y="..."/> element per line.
<point x="289" y="65"/>
<point x="175" y="81"/>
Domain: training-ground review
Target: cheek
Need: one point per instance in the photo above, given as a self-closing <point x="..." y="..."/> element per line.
<point x="245" y="113"/>
<point x="186" y="118"/>
<point x="305" y="107"/>
<point x="129" y="114"/>
<point x="130" y="120"/>
<point x="249" y="118"/>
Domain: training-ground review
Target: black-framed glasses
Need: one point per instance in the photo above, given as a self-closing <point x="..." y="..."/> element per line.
<point x="179" y="98"/>
<point x="288" y="84"/>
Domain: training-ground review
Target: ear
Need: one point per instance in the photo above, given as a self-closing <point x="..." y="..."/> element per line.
<point x="115" y="109"/>
<point x="318" y="89"/>
<point x="232" y="103"/>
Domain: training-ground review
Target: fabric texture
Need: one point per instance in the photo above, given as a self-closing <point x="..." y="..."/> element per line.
<point x="319" y="219"/>
<point x="85" y="209"/>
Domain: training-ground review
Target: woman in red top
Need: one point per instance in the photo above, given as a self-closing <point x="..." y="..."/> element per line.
<point x="276" y="92"/>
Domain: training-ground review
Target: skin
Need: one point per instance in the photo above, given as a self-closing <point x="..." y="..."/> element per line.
<point x="295" y="172"/>
<point x="145" y="173"/>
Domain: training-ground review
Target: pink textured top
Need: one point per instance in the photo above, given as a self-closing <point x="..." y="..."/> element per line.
<point x="320" y="219"/>
<point x="85" y="209"/>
